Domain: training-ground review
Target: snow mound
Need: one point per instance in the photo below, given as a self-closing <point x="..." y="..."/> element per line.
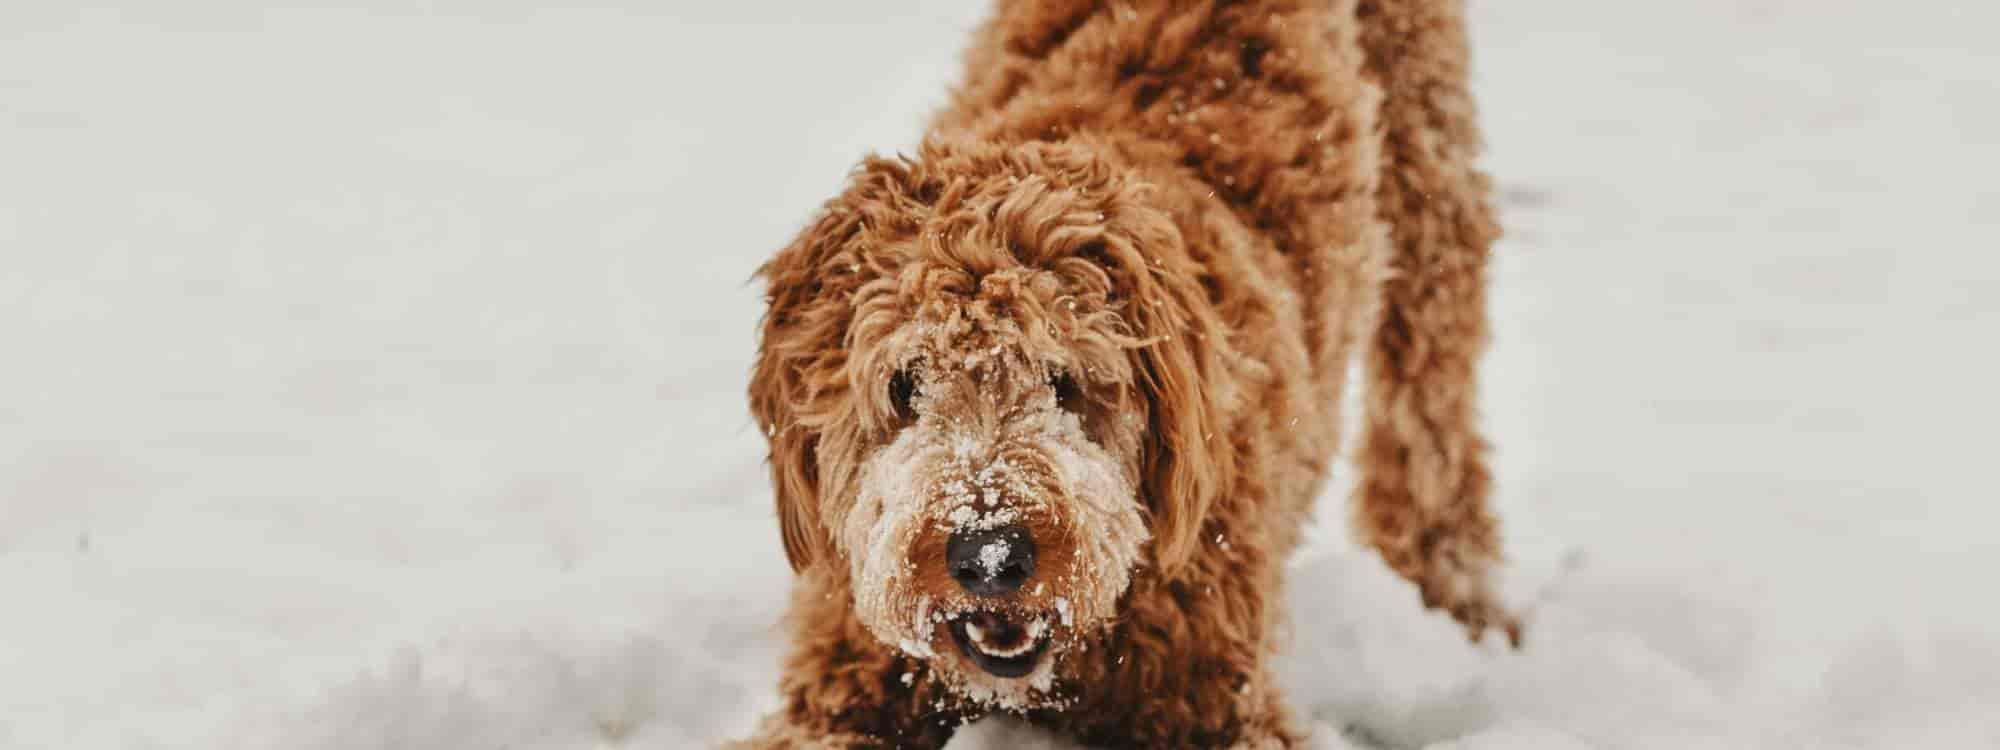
<point x="554" y="687"/>
<point x="1617" y="659"/>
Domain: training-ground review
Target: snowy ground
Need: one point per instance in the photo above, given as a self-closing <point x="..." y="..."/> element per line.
<point x="371" y="378"/>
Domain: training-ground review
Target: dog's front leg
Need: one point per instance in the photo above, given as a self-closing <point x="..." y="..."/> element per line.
<point x="842" y="689"/>
<point x="1267" y="724"/>
<point x="1189" y="662"/>
<point x="781" y="731"/>
<point x="1182" y="699"/>
<point x="835" y="703"/>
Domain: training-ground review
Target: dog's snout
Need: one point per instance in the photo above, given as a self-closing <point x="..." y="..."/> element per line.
<point x="991" y="562"/>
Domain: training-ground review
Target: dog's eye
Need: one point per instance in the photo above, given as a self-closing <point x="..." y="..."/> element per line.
<point x="1068" y="395"/>
<point x="902" y="388"/>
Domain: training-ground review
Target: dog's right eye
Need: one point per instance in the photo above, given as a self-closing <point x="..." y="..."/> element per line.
<point x="903" y="388"/>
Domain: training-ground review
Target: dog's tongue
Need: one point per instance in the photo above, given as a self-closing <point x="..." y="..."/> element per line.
<point x="994" y="632"/>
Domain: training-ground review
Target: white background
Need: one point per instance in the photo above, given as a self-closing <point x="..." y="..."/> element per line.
<point x="372" y="378"/>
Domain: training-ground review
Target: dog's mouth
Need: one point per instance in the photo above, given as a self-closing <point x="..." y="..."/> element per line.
<point x="1003" y="646"/>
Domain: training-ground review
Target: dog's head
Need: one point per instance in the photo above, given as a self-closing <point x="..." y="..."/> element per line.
<point x="985" y="377"/>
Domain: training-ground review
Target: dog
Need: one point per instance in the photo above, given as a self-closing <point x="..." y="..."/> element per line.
<point x="1049" y="400"/>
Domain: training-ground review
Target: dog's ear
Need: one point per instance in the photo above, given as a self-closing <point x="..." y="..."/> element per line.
<point x="1184" y="371"/>
<point x="800" y="384"/>
<point x="799" y="366"/>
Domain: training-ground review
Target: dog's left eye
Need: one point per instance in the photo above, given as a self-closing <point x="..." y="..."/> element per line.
<point x="1068" y="395"/>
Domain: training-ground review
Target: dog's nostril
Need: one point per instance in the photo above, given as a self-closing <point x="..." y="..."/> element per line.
<point x="966" y="575"/>
<point x="993" y="561"/>
<point x="1011" y="577"/>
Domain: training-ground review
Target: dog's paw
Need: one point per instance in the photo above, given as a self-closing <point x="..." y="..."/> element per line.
<point x="775" y="733"/>
<point x="1272" y="728"/>
<point x="1262" y="742"/>
<point x="1468" y="596"/>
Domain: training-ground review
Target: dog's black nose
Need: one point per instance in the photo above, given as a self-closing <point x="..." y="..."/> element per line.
<point x="991" y="562"/>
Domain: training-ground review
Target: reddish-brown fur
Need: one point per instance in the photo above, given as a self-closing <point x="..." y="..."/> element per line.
<point x="1211" y="207"/>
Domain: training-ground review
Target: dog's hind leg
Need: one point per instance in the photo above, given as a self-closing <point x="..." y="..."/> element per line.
<point x="1422" y="496"/>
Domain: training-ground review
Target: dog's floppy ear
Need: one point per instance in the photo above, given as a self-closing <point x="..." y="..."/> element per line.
<point x="800" y="361"/>
<point x="800" y="385"/>
<point x="1184" y="372"/>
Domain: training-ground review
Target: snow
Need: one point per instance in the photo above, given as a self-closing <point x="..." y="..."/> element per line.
<point x="373" y="377"/>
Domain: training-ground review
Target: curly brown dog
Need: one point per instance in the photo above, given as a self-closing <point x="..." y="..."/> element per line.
<point x="1049" y="401"/>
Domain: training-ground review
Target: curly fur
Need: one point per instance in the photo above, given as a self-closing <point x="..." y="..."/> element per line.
<point x="1112" y="298"/>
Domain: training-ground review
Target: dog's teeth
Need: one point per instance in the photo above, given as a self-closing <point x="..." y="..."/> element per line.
<point x="1030" y="637"/>
<point x="1019" y="649"/>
